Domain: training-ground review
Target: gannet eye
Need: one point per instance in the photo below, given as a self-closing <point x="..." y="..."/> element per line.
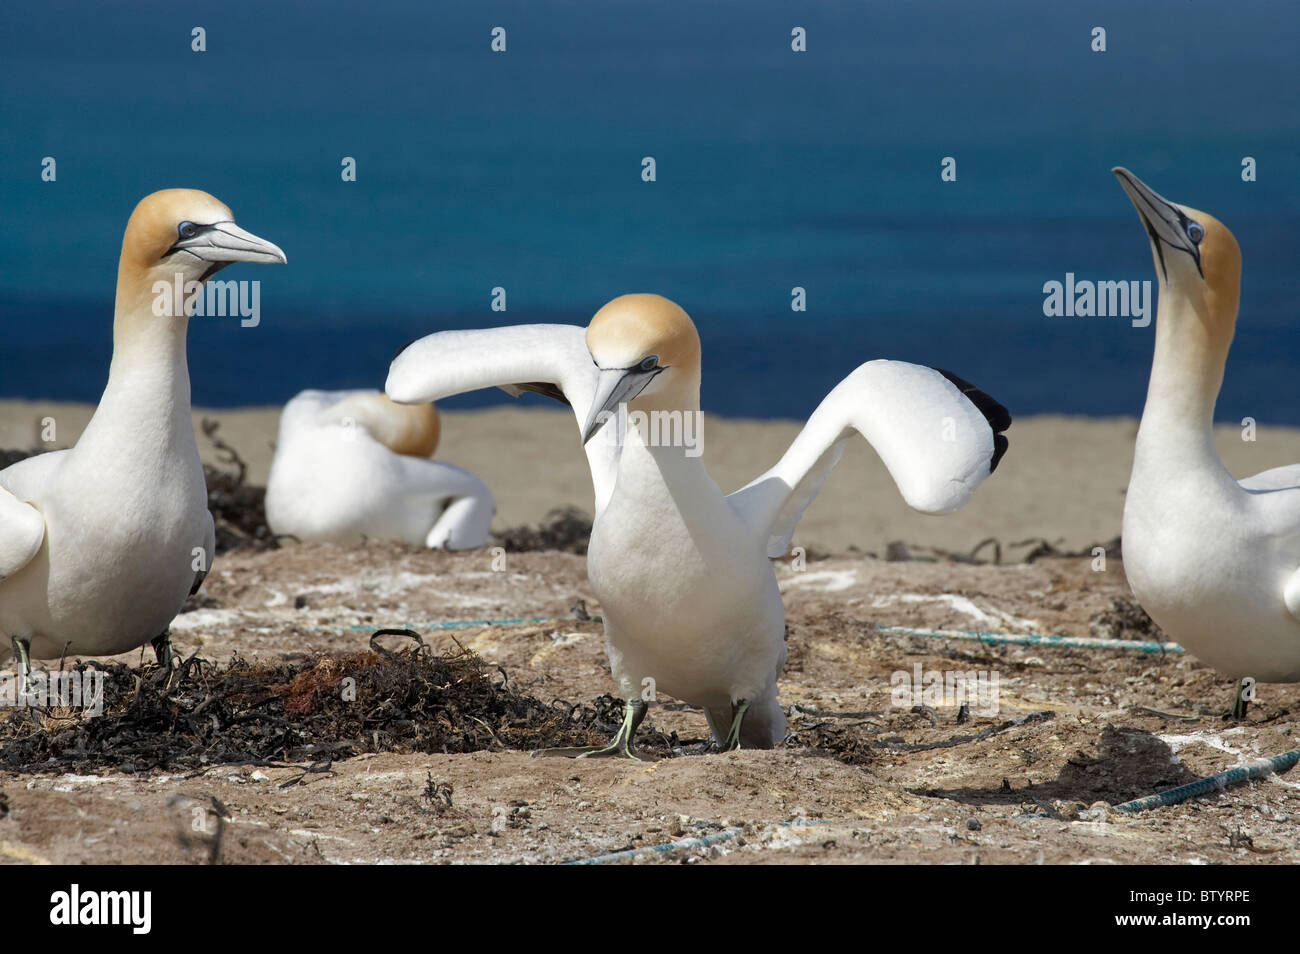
<point x="650" y="363"/>
<point x="187" y="230"/>
<point x="1195" y="233"/>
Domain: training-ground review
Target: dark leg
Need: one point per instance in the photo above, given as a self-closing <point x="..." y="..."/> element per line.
<point x="162" y="647"/>
<point x="619" y="747"/>
<point x="1239" y="703"/>
<point x="23" y="653"/>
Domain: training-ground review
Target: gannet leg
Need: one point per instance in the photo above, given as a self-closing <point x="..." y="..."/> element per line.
<point x="1239" y="704"/>
<point x="23" y="653"/>
<point x="162" y="647"/>
<point x="738" y="709"/>
<point x="619" y="747"/>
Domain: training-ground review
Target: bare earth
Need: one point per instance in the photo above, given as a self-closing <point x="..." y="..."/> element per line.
<point x="859" y="780"/>
<point x="1027" y="787"/>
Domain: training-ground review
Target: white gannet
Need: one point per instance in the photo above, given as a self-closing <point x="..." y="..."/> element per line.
<point x="683" y="574"/>
<point x="1214" y="561"/>
<point x="351" y="465"/>
<point x="100" y="544"/>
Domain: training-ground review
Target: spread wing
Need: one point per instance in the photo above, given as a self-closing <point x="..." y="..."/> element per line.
<point x="938" y="436"/>
<point x="549" y="359"/>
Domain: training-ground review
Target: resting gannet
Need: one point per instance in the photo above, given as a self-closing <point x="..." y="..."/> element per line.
<point x="683" y="574"/>
<point x="351" y="465"/>
<point x="100" y="544"/>
<point x="1214" y="561"/>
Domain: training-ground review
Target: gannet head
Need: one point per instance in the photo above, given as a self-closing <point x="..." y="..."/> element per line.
<point x="1196" y="256"/>
<point x="643" y="345"/>
<point x="411" y="429"/>
<point x="190" y="233"/>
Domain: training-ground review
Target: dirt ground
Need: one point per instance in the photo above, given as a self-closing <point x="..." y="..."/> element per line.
<point x="860" y="779"/>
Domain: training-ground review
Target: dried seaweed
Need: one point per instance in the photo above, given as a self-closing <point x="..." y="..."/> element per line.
<point x="1124" y="620"/>
<point x="238" y="508"/>
<point x="567" y="529"/>
<point x="316" y="710"/>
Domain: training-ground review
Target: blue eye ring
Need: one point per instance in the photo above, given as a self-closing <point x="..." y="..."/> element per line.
<point x="1195" y="232"/>
<point x="650" y="363"/>
<point x="187" y="230"/>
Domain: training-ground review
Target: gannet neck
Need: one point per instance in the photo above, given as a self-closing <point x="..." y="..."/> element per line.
<point x="1186" y="370"/>
<point x="1195" y="321"/>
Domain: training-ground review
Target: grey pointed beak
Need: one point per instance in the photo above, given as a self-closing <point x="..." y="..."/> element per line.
<point x="226" y="242"/>
<point x="1165" y="222"/>
<point x="615" y="386"/>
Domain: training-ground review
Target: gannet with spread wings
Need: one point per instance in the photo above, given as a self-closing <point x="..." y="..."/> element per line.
<point x="682" y="571"/>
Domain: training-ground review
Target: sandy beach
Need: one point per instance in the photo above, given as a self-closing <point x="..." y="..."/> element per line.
<point x="1062" y="480"/>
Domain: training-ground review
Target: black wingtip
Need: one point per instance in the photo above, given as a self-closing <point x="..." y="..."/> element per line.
<point x="398" y="353"/>
<point x="999" y="417"/>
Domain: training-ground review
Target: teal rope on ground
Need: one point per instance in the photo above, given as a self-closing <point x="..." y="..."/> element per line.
<point x="682" y="844"/>
<point x="460" y="624"/>
<point x="1028" y="639"/>
<point x="1214" y="783"/>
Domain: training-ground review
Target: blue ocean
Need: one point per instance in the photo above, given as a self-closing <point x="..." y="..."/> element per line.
<point x="774" y="169"/>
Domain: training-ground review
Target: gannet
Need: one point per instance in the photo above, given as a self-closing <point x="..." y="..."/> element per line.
<point x="682" y="572"/>
<point x="352" y="465"/>
<point x="1214" y="561"/>
<point x="100" y="544"/>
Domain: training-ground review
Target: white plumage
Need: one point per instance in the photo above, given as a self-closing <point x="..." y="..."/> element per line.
<point x="1213" y="560"/>
<point x="351" y="465"/>
<point x="101" y="544"/>
<point x="682" y="571"/>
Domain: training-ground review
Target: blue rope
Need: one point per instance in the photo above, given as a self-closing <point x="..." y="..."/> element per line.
<point x="1028" y="639"/>
<point x="1214" y="783"/>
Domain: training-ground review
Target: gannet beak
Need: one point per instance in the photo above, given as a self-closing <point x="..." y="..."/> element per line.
<point x="615" y="386"/>
<point x="1165" y="222"/>
<point x="226" y="242"/>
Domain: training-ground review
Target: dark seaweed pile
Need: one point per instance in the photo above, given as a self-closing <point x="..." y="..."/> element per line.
<point x="311" y="711"/>
<point x="567" y="529"/>
<point x="1124" y="620"/>
<point x="238" y="508"/>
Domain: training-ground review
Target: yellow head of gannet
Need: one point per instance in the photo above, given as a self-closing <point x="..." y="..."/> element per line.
<point x="181" y="233"/>
<point x="1197" y="259"/>
<point x="648" y="351"/>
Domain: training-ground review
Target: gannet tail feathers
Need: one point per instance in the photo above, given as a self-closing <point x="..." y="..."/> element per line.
<point x="22" y="531"/>
<point x="938" y="436"/>
<point x="465" y="522"/>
